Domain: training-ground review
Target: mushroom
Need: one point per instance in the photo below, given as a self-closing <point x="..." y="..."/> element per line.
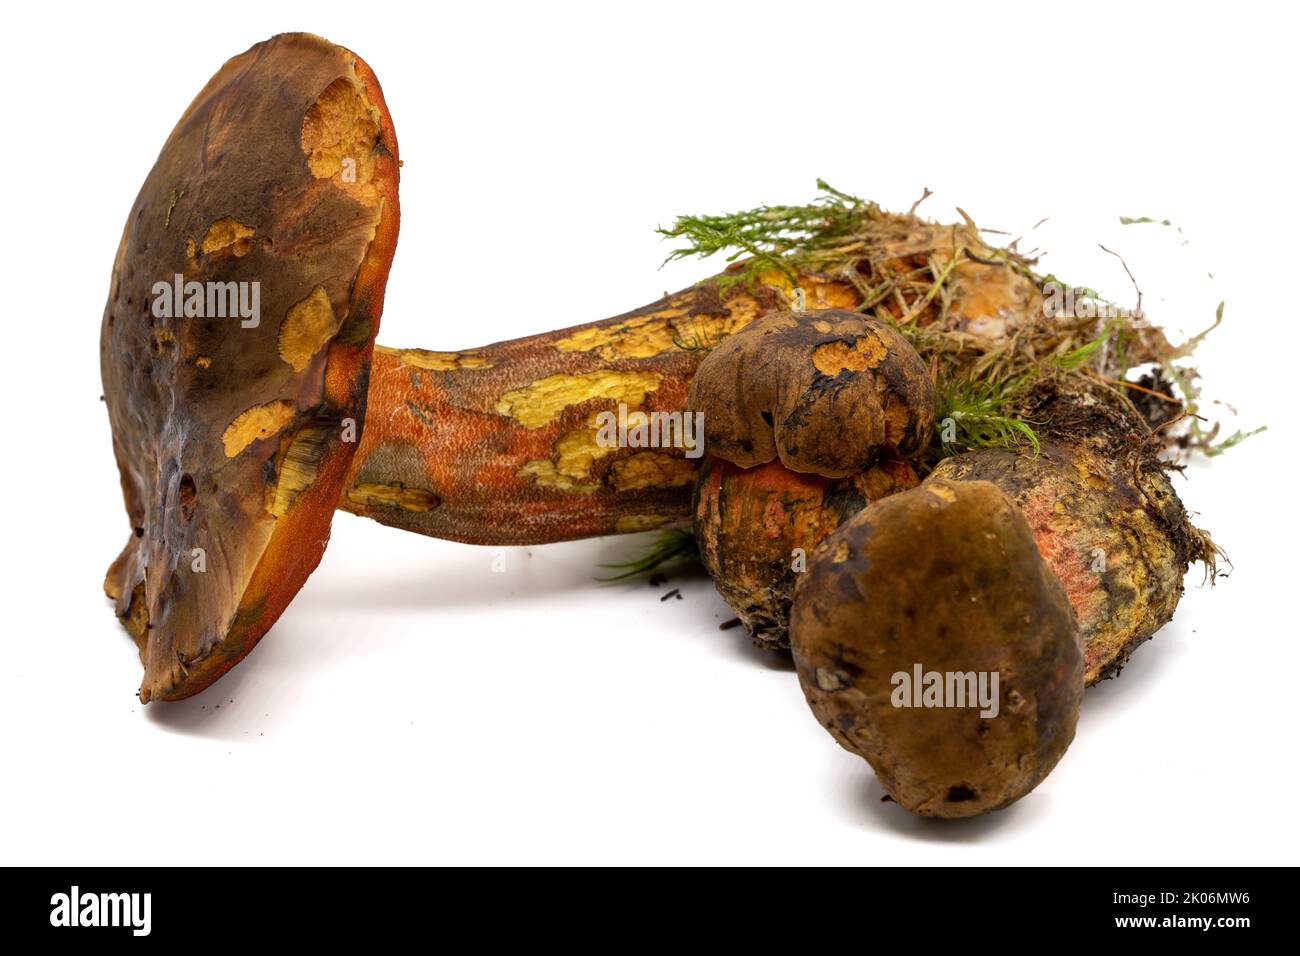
<point x="276" y="197"/>
<point x="236" y="356"/>
<point x="931" y="639"/>
<point x="235" y="344"/>
<point x="828" y="392"/>
<point x="808" y="417"/>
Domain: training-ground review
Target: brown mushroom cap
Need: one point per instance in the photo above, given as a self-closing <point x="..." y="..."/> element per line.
<point x="945" y="578"/>
<point x="233" y="434"/>
<point x="827" y="392"/>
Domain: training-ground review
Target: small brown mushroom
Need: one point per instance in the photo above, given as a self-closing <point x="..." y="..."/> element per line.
<point x="828" y="392"/>
<point x="807" y="417"/>
<point x="931" y="639"/>
<point x="235" y="345"/>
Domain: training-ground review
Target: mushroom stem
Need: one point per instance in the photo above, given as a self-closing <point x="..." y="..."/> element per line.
<point x="502" y="445"/>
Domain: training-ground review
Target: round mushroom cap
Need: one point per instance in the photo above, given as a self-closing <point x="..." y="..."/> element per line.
<point x="828" y="392"/>
<point x="235" y="348"/>
<point x="931" y="639"/>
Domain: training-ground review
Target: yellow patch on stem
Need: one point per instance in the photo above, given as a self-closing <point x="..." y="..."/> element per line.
<point x="628" y="524"/>
<point x="395" y="495"/>
<point x="676" y="323"/>
<point x="543" y="401"/>
<point x="641" y="337"/>
<point x="651" y="469"/>
<point x="570" y="469"/>
<point x="438" y="361"/>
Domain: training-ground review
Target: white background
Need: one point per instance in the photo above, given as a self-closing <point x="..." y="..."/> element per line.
<point x="414" y="706"/>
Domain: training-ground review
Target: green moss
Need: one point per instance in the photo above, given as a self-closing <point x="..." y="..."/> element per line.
<point x="978" y="414"/>
<point x="903" y="267"/>
<point x="673" y="547"/>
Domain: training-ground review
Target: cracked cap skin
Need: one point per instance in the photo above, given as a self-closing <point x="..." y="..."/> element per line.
<point x="233" y="433"/>
<point x="827" y="392"/>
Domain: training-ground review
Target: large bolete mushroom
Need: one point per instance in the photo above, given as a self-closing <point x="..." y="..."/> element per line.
<point x="237" y="358"/>
<point x="931" y="639"/>
<point x="238" y="369"/>
<point x="235" y="348"/>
